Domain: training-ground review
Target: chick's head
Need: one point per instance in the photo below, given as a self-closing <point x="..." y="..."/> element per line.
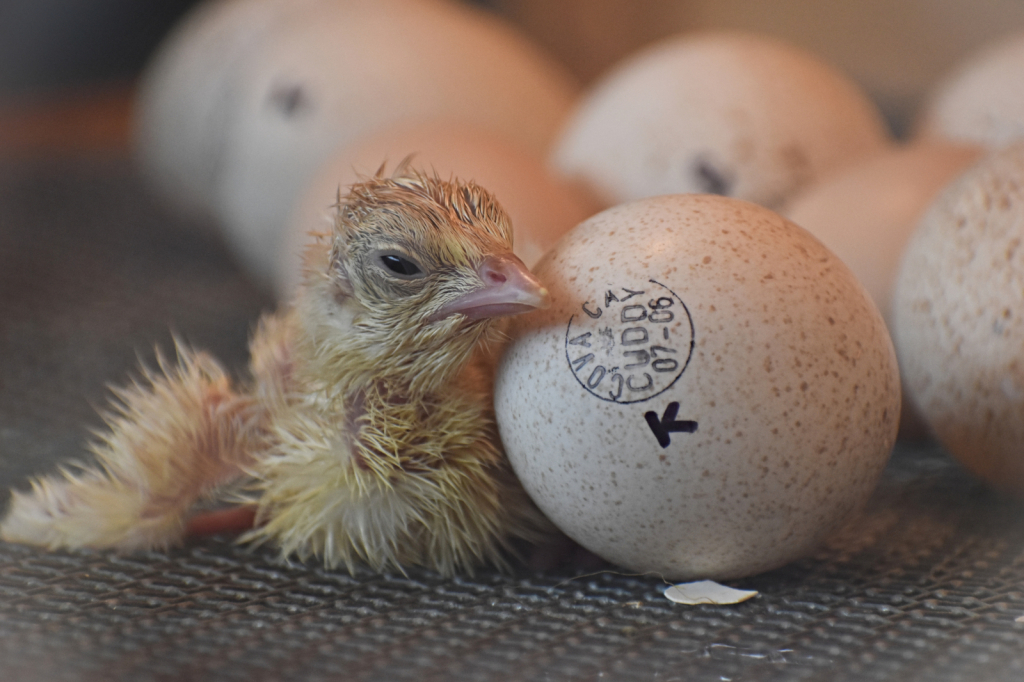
<point x="424" y="266"/>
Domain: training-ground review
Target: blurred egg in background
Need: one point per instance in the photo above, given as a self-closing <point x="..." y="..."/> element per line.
<point x="188" y="98"/>
<point x="980" y="101"/>
<point x="727" y="113"/>
<point x="958" y="322"/>
<point x="325" y="73"/>
<point x="542" y="206"/>
<point x="866" y="214"/>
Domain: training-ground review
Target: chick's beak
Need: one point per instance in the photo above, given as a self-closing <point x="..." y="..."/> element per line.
<point x="508" y="288"/>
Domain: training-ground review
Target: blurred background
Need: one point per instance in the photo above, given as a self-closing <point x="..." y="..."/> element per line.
<point x="895" y="49"/>
<point x="50" y="44"/>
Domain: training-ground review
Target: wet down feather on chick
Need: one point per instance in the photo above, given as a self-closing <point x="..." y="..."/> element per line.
<point x="365" y="433"/>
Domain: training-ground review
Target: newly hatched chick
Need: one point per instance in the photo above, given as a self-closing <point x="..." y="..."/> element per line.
<point x="367" y="427"/>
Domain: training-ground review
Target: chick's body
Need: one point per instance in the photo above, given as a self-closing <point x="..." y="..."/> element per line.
<point x="367" y="429"/>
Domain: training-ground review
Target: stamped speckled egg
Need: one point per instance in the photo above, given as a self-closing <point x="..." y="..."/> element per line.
<point x="958" y="318"/>
<point x="735" y="114"/>
<point x="710" y="394"/>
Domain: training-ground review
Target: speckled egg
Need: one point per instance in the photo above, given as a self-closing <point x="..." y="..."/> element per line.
<point x="980" y="101"/>
<point x="711" y="392"/>
<point x="958" y="318"/>
<point x="724" y="113"/>
<point x="866" y="213"/>
<point x="542" y="206"/>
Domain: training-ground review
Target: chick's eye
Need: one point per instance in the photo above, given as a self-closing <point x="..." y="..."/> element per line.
<point x="402" y="267"/>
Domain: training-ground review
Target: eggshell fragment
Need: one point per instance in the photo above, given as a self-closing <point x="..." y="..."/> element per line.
<point x="541" y="206"/>
<point x="981" y="101"/>
<point x="710" y="393"/>
<point x="724" y="113"/>
<point x="352" y="69"/>
<point x="707" y="592"/>
<point x="958" y="319"/>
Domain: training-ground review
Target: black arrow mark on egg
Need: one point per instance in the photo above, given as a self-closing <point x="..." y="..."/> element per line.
<point x="668" y="424"/>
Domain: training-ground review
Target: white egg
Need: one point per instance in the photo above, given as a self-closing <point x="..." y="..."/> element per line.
<point x="711" y="392"/>
<point x="724" y="113"/>
<point x="981" y="101"/>
<point x="541" y="206"/>
<point x="958" y="318"/>
<point x="189" y="94"/>
<point x="351" y="69"/>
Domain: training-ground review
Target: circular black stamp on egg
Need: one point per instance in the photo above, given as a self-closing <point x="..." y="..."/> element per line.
<point x="630" y="344"/>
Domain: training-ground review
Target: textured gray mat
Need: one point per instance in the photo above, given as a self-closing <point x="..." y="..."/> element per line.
<point x="927" y="585"/>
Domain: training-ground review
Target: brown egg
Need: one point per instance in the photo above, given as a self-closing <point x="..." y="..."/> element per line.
<point x="866" y="214"/>
<point x="958" y="318"/>
<point x="541" y="206"/>
<point x="709" y="394"/>
<point x="724" y="113"/>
